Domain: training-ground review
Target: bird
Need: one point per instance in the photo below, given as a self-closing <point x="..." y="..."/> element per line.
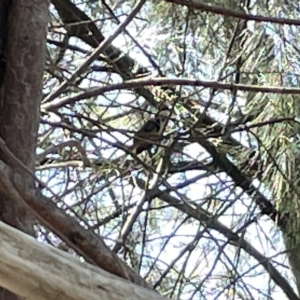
<point x="150" y="133"/>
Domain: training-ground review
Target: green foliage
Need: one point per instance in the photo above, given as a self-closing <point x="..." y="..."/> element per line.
<point x="193" y="227"/>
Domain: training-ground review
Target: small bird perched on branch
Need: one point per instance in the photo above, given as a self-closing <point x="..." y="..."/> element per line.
<point x="151" y="132"/>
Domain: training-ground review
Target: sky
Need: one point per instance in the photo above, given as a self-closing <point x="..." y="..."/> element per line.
<point x="258" y="234"/>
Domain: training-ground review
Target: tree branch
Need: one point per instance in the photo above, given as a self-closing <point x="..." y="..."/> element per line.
<point x="67" y="228"/>
<point x="37" y="271"/>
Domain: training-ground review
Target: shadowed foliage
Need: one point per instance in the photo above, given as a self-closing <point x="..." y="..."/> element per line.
<point x="211" y="210"/>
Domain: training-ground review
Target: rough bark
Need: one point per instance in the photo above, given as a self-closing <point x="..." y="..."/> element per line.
<point x="4" y="12"/>
<point x="20" y="96"/>
<point x="42" y="272"/>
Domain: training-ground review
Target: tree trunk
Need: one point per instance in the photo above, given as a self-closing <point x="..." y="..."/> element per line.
<point x="21" y="76"/>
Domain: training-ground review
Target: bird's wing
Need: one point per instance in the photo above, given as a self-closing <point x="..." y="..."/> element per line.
<point x="151" y="126"/>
